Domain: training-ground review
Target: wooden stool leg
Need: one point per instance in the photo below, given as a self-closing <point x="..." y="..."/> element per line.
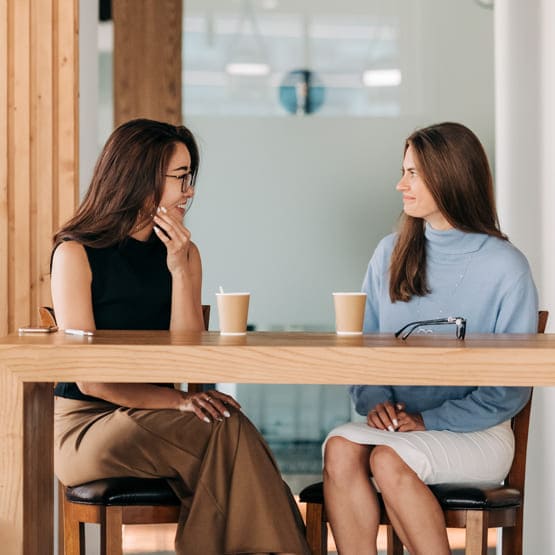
<point x="394" y="544"/>
<point x="73" y="531"/>
<point x="316" y="529"/>
<point x="110" y="531"/>
<point x="512" y="537"/>
<point x="476" y="533"/>
<point x="61" y="497"/>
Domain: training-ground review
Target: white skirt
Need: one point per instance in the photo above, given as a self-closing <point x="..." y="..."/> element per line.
<point x="437" y="457"/>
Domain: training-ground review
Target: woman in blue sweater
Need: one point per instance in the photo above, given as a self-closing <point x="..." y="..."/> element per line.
<point x="449" y="258"/>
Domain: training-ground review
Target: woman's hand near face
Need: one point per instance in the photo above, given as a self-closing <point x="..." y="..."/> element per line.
<point x="184" y="264"/>
<point x="177" y="239"/>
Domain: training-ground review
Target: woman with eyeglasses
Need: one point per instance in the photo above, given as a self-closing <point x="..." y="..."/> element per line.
<point x="449" y="263"/>
<point x="126" y="261"/>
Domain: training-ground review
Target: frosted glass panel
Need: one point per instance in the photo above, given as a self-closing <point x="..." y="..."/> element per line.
<point x="237" y="54"/>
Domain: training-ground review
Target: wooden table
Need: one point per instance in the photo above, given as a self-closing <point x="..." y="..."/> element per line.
<point x="30" y="364"/>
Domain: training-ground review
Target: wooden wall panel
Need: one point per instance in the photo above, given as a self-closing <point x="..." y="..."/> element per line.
<point x="38" y="191"/>
<point x="42" y="162"/>
<point x="147" y="59"/>
<point x="19" y="206"/>
<point x="3" y="167"/>
<point x="66" y="21"/>
<point x="38" y="147"/>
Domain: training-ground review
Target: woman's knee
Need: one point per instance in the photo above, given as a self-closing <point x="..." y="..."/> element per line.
<point x="388" y="468"/>
<point x="236" y="421"/>
<point x="342" y="458"/>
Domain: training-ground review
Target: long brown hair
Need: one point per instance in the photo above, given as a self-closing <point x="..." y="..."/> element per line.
<point x="127" y="182"/>
<point x="455" y="169"/>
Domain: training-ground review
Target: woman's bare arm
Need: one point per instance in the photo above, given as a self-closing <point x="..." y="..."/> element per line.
<point x="71" y="295"/>
<point x="186" y="311"/>
<point x="184" y="265"/>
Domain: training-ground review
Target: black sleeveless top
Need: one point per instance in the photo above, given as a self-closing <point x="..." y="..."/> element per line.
<point x="131" y="290"/>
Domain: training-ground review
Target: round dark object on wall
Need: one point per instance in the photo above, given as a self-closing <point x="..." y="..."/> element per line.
<point x="301" y="92"/>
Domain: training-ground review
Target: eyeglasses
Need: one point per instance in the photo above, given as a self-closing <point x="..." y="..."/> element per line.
<point x="186" y="180"/>
<point x="459" y="322"/>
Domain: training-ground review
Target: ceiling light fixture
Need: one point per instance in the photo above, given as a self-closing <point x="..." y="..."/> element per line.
<point x="382" y="78"/>
<point x="252" y="69"/>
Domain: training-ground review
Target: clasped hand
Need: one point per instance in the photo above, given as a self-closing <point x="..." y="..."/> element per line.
<point x="393" y="417"/>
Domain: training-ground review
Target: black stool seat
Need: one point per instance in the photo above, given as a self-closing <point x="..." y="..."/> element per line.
<point x="473" y="497"/>
<point x="123" y="491"/>
<point x="450" y="496"/>
<point x="313" y="493"/>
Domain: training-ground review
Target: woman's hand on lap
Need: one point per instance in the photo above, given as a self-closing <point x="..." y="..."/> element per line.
<point x="383" y="417"/>
<point x="208" y="405"/>
<point x="393" y="417"/>
<point x="410" y="422"/>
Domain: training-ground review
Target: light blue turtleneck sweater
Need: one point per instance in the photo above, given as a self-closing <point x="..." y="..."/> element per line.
<point x="484" y="279"/>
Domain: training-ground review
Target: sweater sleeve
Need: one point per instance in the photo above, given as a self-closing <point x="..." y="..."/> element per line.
<point x="488" y="406"/>
<point x="366" y="397"/>
<point x="519" y="310"/>
<point x="482" y="408"/>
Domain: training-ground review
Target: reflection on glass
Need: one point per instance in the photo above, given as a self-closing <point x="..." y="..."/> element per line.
<point x="236" y="55"/>
<point x="295" y="420"/>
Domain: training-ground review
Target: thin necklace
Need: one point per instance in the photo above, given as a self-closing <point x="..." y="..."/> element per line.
<point x="442" y="308"/>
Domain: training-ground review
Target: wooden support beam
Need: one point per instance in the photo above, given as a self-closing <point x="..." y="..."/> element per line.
<point x="147" y="59"/>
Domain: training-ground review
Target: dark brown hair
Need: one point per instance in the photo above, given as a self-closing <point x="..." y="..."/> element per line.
<point x="455" y="169"/>
<point x="127" y="182"/>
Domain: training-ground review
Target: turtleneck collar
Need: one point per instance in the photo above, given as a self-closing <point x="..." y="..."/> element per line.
<point x="452" y="241"/>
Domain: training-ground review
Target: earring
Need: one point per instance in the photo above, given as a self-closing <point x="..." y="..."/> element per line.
<point x="140" y="221"/>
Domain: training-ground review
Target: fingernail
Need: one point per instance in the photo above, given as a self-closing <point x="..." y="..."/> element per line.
<point x="158" y="209"/>
<point x="206" y="419"/>
<point x="399" y="406"/>
<point x="157" y="229"/>
<point x="163" y="210"/>
<point x="395" y="423"/>
<point x="227" y="414"/>
<point x="390" y="428"/>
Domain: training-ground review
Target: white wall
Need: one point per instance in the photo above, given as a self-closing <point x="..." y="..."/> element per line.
<point x="291" y="209"/>
<point x="525" y="146"/>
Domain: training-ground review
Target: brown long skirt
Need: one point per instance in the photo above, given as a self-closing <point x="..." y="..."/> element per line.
<point x="233" y="499"/>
